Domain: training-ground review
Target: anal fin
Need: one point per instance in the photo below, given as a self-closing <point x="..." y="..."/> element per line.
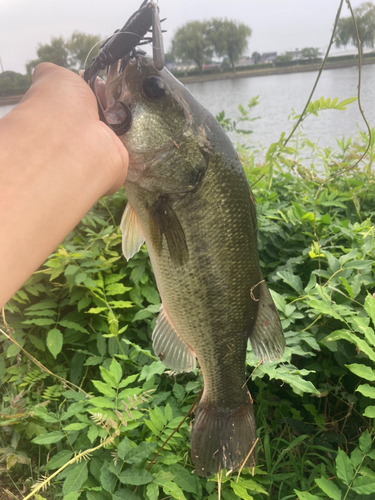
<point x="132" y="238"/>
<point x="169" y="346"/>
<point x="267" y="337"/>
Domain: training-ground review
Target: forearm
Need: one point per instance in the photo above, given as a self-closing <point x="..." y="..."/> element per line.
<point x="49" y="179"/>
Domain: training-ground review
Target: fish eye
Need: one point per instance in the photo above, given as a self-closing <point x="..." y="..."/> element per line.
<point x="153" y="87"/>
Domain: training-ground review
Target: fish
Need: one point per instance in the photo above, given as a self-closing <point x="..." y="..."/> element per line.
<point x="190" y="202"/>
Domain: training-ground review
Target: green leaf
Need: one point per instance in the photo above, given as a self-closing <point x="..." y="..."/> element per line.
<point x="329" y="488"/>
<point x="96" y="310"/>
<point x="121" y="304"/>
<point x="77" y="476"/>
<point x="170" y="488"/>
<point x="148" y="371"/>
<point x="108" y="377"/>
<point x="290" y="279"/>
<point x="365" y="441"/>
<point x="39" y="321"/>
<point x="71" y="269"/>
<point x="49" y="438"/>
<point x="125" y="494"/>
<point x="43" y="304"/>
<point x="72" y="325"/>
<point x="58" y="460"/>
<point x="240" y="491"/>
<point x="367" y="390"/>
<point x="116" y="289"/>
<point x="74" y="495"/>
<point x="123" y="448"/>
<point x="369" y="306"/>
<point x="92" y="433"/>
<point x="135" y="477"/>
<point x="139" y="453"/>
<point x="104" y="388"/>
<point x="362" y="371"/>
<point x="178" y="391"/>
<point x="151" y="294"/>
<point x="116" y="370"/>
<point x="128" y="380"/>
<point x="364" y="485"/>
<point x="168" y="412"/>
<point x="369" y="412"/>
<point x="77" y="426"/>
<point x="344" y="467"/>
<point x="185" y="479"/>
<point x="142" y="314"/>
<point x="304" y="495"/>
<point x="341" y="105"/>
<point x="107" y="479"/>
<point x="152" y="491"/>
<point x="54" y="341"/>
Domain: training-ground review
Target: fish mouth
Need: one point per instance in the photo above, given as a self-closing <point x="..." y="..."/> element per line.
<point x="100" y="87"/>
<point x="118" y="116"/>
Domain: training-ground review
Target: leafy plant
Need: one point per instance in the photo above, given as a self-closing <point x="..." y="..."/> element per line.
<point x="77" y="346"/>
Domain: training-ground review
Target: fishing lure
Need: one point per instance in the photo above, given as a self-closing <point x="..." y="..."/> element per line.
<point x="122" y="46"/>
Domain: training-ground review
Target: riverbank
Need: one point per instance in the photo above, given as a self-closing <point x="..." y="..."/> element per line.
<point x="270" y="71"/>
<point x="249" y="73"/>
<point x="10" y="99"/>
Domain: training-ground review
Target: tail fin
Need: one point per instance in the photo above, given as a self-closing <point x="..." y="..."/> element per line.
<point x="223" y="439"/>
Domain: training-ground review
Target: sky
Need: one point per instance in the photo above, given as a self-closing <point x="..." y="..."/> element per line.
<point x="277" y="25"/>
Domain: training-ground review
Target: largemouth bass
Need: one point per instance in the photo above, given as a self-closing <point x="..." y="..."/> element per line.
<point x="189" y="200"/>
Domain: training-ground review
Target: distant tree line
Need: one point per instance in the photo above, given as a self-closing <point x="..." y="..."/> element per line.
<point x="198" y="41"/>
<point x="71" y="53"/>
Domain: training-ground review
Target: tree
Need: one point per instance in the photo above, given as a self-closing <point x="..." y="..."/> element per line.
<point x="55" y="52"/>
<point x="285" y="58"/>
<point x="365" y="18"/>
<point x="169" y="58"/>
<point x="310" y="53"/>
<point x="71" y="53"/>
<point x="190" y="43"/>
<point x="229" y="38"/>
<point x="256" y="57"/>
<point x="13" y="83"/>
<point x="82" y="46"/>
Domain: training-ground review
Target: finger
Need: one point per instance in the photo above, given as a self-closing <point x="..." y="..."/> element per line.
<point x="43" y="69"/>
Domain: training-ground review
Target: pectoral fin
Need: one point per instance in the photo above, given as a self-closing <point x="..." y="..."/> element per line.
<point x="164" y="222"/>
<point x="132" y="238"/>
<point x="170" y="347"/>
<point x="267" y="337"/>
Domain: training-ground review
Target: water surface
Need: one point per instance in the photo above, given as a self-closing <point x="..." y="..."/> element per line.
<point x="279" y="94"/>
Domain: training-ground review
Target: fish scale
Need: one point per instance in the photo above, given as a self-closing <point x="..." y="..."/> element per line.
<point x="189" y="200"/>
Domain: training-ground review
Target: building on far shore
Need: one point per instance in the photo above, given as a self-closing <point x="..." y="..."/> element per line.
<point x="268" y="57"/>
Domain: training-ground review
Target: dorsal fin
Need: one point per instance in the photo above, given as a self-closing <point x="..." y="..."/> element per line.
<point x="132" y="238"/>
<point x="169" y="346"/>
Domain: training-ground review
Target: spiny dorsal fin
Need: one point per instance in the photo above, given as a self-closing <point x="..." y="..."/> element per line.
<point x="267" y="337"/>
<point x="170" y="347"/>
<point x="165" y="222"/>
<point x="132" y="238"/>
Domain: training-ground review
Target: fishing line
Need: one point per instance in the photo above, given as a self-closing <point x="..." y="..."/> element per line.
<point x="348" y="169"/>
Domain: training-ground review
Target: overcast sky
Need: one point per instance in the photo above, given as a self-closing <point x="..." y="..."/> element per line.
<point x="278" y="25"/>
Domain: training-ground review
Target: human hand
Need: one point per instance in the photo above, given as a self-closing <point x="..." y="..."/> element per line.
<point x="68" y="106"/>
<point x="56" y="160"/>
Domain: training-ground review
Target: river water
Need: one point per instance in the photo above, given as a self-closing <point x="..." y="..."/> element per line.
<point x="279" y="94"/>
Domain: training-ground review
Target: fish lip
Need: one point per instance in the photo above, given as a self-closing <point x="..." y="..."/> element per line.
<point x="100" y="87"/>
